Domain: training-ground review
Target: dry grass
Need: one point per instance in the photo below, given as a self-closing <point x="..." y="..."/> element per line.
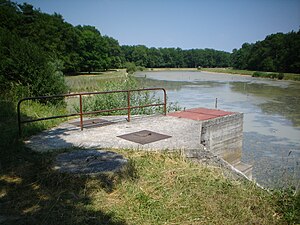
<point x="170" y="190"/>
<point x="154" y="188"/>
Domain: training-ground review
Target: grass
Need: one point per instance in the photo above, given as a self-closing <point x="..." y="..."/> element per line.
<point x="286" y="76"/>
<point x="228" y="70"/>
<point x="154" y="188"/>
<point x="172" y="191"/>
<point x="94" y="82"/>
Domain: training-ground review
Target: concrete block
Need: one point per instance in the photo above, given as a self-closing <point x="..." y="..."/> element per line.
<point x="223" y="136"/>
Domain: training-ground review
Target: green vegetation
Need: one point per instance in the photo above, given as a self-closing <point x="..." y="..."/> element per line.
<point x="26" y="69"/>
<point x="278" y="76"/>
<point x="174" y="57"/>
<point x="277" y="53"/>
<point x="272" y="75"/>
<point x="130" y="67"/>
<point x="119" y="100"/>
<point x="94" y="81"/>
<point x="228" y="70"/>
<point x="37" y="48"/>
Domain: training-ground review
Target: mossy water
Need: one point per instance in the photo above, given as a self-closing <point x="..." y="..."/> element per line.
<point x="271" y="116"/>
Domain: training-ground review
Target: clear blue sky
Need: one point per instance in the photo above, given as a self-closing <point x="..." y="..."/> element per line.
<point x="218" y="24"/>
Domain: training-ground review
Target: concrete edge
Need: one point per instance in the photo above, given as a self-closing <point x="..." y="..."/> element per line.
<point x="207" y="157"/>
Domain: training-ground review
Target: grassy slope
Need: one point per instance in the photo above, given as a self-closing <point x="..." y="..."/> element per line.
<point x="155" y="188"/>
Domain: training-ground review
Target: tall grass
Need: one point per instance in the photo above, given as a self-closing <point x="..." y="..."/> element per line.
<point x="96" y="82"/>
<point x="119" y="100"/>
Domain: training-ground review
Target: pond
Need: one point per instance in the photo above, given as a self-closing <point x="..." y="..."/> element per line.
<point x="271" y="116"/>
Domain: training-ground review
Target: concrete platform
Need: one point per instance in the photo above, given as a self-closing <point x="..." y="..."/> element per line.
<point x="185" y="134"/>
<point x="217" y="131"/>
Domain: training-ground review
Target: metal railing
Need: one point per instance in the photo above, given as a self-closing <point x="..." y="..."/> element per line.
<point x="81" y="113"/>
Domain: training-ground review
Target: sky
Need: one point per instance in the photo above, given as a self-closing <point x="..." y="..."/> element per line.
<point x="187" y="24"/>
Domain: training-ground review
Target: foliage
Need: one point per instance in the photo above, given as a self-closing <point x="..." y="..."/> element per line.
<point x="130" y="67"/>
<point x="175" y="57"/>
<point x="24" y="66"/>
<point x="278" y="52"/>
<point x="119" y="100"/>
<point x="80" y="48"/>
<point x="279" y="76"/>
<point x="273" y="75"/>
<point x="288" y="204"/>
<point x="83" y="48"/>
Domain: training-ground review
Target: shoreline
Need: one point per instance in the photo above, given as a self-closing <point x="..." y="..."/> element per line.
<point x="264" y="75"/>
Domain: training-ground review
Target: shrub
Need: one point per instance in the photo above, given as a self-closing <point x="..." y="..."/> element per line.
<point x="140" y="68"/>
<point x="130" y="67"/>
<point x="272" y="75"/>
<point x="280" y="76"/>
<point x="257" y="74"/>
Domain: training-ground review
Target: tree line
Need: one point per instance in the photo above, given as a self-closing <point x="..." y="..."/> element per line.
<point x="175" y="57"/>
<point x="276" y="53"/>
<point x="36" y="47"/>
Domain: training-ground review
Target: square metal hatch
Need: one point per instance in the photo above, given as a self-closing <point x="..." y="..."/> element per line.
<point x="144" y="137"/>
<point x="92" y="123"/>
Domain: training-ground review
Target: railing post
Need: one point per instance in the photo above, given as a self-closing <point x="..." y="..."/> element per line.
<point x="165" y="102"/>
<point x="80" y="108"/>
<point x="128" y="106"/>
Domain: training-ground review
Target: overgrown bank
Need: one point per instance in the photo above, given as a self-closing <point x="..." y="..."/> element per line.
<point x="271" y="75"/>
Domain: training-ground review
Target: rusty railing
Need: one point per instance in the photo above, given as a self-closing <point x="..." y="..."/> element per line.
<point x="81" y="113"/>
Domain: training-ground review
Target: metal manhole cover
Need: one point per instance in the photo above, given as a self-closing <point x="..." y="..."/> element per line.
<point x="144" y="137"/>
<point x="89" y="162"/>
<point x="92" y="123"/>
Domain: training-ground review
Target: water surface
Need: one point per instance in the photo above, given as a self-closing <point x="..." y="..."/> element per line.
<point x="271" y="116"/>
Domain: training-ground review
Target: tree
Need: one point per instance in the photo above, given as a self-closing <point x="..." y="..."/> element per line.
<point x="277" y="52"/>
<point x="114" y="52"/>
<point x="24" y="65"/>
<point x="93" y="49"/>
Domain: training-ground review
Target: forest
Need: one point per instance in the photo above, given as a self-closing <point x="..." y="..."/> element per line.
<point x="38" y="48"/>
<point x="277" y="53"/>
